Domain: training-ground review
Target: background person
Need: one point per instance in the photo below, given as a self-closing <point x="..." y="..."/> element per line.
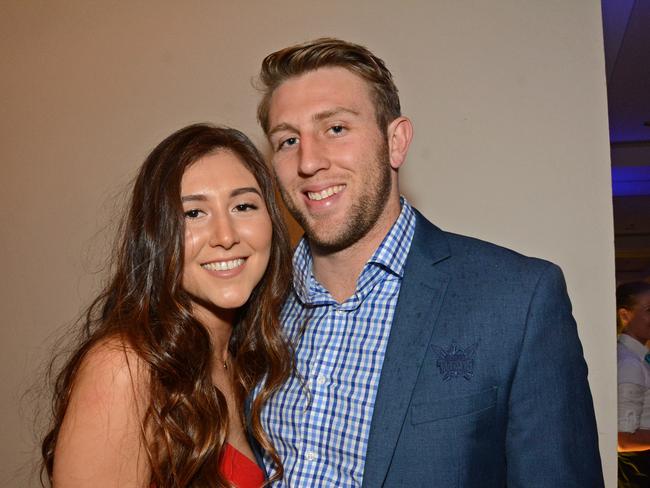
<point x="633" y="316"/>
<point x="154" y="394"/>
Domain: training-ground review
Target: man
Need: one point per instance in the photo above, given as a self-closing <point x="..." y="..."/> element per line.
<point x="424" y="358"/>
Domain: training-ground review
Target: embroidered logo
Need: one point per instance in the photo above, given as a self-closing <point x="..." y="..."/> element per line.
<point x="455" y="361"/>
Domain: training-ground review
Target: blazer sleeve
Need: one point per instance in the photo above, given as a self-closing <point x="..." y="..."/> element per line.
<point x="551" y="438"/>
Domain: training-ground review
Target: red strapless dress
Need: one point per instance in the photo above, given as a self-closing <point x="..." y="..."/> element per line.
<point x="240" y="470"/>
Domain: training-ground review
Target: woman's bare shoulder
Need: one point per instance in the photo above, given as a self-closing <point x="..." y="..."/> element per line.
<point x="100" y="440"/>
<point x="113" y="363"/>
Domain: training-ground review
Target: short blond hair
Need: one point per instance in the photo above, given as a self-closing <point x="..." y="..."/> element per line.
<point x="296" y="60"/>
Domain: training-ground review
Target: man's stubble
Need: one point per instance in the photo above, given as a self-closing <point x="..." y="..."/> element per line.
<point x="363" y="214"/>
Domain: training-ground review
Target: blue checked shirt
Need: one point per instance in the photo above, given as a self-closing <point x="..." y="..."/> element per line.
<point x="320" y="428"/>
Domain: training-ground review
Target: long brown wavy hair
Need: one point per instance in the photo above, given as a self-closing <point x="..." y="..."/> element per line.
<point x="146" y="308"/>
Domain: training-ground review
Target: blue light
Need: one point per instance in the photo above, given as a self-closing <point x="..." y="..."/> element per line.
<point x="630" y="181"/>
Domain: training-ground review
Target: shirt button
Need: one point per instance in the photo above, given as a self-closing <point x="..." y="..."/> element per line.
<point x="310" y="455"/>
<point x="321" y="379"/>
<point x="340" y="311"/>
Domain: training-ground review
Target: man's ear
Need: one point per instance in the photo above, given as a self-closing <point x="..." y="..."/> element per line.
<point x="623" y="316"/>
<point x="400" y="133"/>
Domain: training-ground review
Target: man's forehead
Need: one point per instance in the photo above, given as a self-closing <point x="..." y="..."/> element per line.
<point x="319" y="92"/>
<point x="326" y="75"/>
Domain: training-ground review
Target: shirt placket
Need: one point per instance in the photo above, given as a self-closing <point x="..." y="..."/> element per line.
<point x="317" y="441"/>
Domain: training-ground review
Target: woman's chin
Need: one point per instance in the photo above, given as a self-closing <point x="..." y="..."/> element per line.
<point x="229" y="302"/>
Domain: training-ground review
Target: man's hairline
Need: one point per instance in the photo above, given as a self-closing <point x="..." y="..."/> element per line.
<point x="268" y="97"/>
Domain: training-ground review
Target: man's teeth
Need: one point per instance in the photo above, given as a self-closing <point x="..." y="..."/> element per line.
<point x="223" y="265"/>
<point x="327" y="192"/>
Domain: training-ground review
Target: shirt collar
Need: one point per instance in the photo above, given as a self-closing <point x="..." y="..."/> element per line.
<point x="390" y="255"/>
<point x="393" y="250"/>
<point x="633" y="345"/>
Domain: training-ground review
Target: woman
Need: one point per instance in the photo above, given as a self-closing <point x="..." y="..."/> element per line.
<point x="633" y="359"/>
<point x="188" y="325"/>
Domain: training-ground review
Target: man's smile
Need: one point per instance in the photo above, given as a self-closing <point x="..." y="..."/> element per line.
<point x="325" y="193"/>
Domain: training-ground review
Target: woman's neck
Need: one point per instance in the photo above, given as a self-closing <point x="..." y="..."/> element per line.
<point x="219" y="324"/>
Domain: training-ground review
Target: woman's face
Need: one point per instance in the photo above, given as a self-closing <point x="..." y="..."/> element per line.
<point x="636" y="320"/>
<point x="228" y="231"/>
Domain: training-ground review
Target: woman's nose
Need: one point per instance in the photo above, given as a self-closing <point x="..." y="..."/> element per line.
<point x="224" y="233"/>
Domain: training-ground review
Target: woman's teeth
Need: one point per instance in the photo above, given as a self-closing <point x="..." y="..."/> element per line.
<point x="223" y="265"/>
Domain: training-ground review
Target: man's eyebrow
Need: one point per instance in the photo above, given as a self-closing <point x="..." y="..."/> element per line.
<point x="281" y="127"/>
<point x="326" y="114"/>
<point x="320" y="116"/>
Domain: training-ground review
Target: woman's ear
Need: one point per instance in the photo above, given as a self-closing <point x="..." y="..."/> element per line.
<point x="400" y="133"/>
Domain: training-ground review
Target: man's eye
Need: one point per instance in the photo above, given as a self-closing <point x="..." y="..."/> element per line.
<point x="337" y="129"/>
<point x="291" y="141"/>
<point x="192" y="214"/>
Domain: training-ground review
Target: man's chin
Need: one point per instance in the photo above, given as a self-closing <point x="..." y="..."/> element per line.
<point x="327" y="234"/>
<point x="327" y="246"/>
<point x="326" y="241"/>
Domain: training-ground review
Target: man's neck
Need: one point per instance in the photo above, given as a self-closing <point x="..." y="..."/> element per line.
<point x="339" y="271"/>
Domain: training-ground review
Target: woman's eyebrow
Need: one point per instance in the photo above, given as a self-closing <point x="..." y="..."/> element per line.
<point x="246" y="189"/>
<point x="194" y="198"/>
<point x="200" y="197"/>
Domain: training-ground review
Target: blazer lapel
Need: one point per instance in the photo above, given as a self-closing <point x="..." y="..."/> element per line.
<point x="421" y="294"/>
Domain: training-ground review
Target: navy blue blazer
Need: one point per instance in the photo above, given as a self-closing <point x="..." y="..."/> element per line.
<point x="484" y="382"/>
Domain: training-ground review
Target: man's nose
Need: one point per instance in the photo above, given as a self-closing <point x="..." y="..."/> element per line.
<point x="313" y="157"/>
<point x="224" y="232"/>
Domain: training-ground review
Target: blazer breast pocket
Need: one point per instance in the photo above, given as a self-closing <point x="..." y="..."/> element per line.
<point x="472" y="404"/>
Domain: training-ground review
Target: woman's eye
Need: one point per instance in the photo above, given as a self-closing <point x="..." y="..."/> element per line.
<point x="193" y="213"/>
<point x="245" y="207"/>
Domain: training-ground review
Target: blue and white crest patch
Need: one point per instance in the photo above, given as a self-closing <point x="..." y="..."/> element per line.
<point x="454" y="361"/>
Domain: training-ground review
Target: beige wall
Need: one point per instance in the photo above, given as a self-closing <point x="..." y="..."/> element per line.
<point x="507" y="97"/>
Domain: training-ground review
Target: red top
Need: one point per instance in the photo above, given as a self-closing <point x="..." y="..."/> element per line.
<point x="239" y="469"/>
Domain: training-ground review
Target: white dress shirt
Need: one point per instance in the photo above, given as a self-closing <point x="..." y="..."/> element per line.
<point x="633" y="385"/>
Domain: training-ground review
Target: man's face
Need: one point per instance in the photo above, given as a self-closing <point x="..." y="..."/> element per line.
<point x="637" y="318"/>
<point x="329" y="156"/>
